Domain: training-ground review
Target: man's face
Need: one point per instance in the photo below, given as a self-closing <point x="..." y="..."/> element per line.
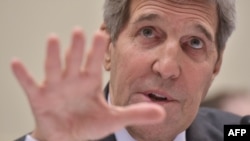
<point x="167" y="55"/>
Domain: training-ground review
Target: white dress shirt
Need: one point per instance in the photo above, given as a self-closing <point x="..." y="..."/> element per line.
<point x="30" y="138"/>
<point x="123" y="135"/>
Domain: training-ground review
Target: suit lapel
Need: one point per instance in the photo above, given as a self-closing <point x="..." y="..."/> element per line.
<point x="112" y="136"/>
<point x="109" y="138"/>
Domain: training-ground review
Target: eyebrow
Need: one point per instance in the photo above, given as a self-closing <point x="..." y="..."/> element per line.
<point x="153" y="17"/>
<point x="205" y="31"/>
<point x="147" y="17"/>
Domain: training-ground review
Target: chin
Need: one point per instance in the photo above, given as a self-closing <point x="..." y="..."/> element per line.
<point x="156" y="132"/>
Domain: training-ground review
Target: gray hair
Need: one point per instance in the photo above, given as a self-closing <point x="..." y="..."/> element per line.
<point x="116" y="16"/>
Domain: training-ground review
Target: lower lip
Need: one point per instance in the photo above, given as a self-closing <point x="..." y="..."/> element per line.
<point x="144" y="98"/>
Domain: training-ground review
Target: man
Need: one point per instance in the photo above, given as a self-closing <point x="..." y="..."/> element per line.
<point x="162" y="56"/>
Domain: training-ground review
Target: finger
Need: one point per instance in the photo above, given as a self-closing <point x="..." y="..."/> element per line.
<point x="75" y="54"/>
<point x="53" y="66"/>
<point x="24" y="78"/>
<point x="96" y="54"/>
<point x="143" y="113"/>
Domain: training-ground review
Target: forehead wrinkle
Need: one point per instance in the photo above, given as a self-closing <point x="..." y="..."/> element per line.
<point x="147" y="17"/>
<point x="180" y="5"/>
<point x="195" y="9"/>
<point x="181" y="9"/>
<point x="191" y="1"/>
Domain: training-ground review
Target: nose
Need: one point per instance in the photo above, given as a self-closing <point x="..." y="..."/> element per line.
<point x="167" y="62"/>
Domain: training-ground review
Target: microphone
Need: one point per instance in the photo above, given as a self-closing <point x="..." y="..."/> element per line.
<point x="245" y="120"/>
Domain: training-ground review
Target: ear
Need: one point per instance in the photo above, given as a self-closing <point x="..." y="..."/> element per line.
<point x="107" y="56"/>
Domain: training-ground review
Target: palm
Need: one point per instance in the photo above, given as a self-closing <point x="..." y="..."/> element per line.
<point x="70" y="105"/>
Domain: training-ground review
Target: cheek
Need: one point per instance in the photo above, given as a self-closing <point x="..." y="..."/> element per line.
<point x="198" y="80"/>
<point x="127" y="66"/>
<point x="128" y="63"/>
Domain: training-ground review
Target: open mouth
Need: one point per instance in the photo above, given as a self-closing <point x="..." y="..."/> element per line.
<point x="157" y="97"/>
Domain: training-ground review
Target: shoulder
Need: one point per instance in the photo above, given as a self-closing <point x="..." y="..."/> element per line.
<point x="209" y="124"/>
<point x="217" y="117"/>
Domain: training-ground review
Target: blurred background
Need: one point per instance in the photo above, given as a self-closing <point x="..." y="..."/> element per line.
<point x="25" y="26"/>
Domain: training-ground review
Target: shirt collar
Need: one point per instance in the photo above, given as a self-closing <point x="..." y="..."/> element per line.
<point x="123" y="135"/>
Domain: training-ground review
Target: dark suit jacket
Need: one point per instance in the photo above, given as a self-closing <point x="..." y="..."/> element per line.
<point x="207" y="126"/>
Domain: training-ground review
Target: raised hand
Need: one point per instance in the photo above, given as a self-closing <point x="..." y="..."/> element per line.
<point x="69" y="105"/>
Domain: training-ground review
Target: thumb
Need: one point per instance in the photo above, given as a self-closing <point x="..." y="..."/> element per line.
<point x="142" y="113"/>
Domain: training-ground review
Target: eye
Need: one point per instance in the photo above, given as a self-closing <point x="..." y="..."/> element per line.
<point x="195" y="47"/>
<point x="149" y="36"/>
<point x="195" y="43"/>
<point x="147" y="32"/>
